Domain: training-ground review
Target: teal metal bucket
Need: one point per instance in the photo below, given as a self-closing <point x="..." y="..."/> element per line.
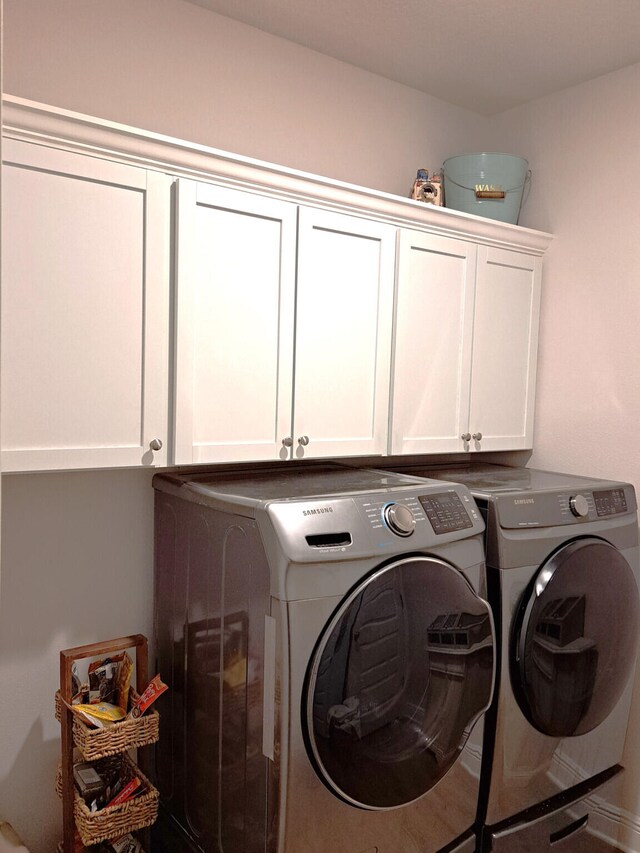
<point x="490" y="185"/>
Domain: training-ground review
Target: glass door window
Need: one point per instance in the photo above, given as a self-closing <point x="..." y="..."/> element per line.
<point x="398" y="678"/>
<point x="575" y="638"/>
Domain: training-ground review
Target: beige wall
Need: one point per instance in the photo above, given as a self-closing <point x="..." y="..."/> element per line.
<point x="77" y="568"/>
<point x="175" y="68"/>
<point x="77" y="549"/>
<point x="171" y="67"/>
<point x="584" y="145"/>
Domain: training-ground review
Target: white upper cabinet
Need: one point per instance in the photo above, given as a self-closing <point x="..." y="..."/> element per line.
<point x="465" y="346"/>
<point x="433" y="339"/>
<point x="306" y="318"/>
<point x="505" y="343"/>
<point x="343" y="335"/>
<point x="234" y="305"/>
<point x="277" y="358"/>
<point x="85" y="283"/>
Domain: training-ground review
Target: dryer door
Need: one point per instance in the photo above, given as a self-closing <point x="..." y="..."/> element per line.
<point x="397" y="679"/>
<point x="575" y="638"/>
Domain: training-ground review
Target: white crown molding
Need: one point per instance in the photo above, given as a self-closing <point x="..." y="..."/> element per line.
<point x="45" y="125"/>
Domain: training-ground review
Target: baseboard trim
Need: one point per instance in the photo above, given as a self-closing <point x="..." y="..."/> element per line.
<point x="617" y="826"/>
<point x="608" y="822"/>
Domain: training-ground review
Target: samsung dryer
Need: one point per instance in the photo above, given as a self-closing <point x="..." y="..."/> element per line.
<point x="330" y="655"/>
<point x="562" y="563"/>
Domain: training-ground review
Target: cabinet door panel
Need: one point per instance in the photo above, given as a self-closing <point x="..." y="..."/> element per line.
<point x="234" y="344"/>
<point x="343" y="334"/>
<point x="434" y="315"/>
<point x="84" y="311"/>
<point x="505" y="337"/>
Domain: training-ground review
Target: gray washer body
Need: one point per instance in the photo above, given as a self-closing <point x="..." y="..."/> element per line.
<point x="250" y="570"/>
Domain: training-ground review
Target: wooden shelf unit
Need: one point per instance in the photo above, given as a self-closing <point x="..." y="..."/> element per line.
<point x="67" y="658"/>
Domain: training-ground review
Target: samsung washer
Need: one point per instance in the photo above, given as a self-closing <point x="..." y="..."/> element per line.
<point x="331" y="657"/>
<point x="562" y="564"/>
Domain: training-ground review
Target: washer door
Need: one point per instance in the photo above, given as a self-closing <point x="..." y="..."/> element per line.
<point x="397" y="680"/>
<point x="575" y="638"/>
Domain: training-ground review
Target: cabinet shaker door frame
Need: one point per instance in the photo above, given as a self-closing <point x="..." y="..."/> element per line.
<point x="233" y="325"/>
<point x="83" y="385"/>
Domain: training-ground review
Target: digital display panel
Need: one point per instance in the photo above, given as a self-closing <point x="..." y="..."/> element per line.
<point x="610" y="502"/>
<point x="446" y="512"/>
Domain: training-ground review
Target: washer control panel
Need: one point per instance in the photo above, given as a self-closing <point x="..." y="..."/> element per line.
<point x="376" y="523"/>
<point x="446" y="512"/>
<point x="400" y="519"/>
<point x="400" y="514"/>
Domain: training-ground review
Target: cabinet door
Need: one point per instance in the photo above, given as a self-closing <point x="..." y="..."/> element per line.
<point x="234" y="324"/>
<point x="433" y="334"/>
<point x="85" y="276"/>
<point x="505" y="342"/>
<point x="343" y="334"/>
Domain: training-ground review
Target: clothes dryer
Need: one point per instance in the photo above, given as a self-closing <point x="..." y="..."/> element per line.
<point x="562" y="563"/>
<point x="330" y="655"/>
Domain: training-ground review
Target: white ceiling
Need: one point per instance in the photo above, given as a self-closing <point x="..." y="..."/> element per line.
<point x="486" y="55"/>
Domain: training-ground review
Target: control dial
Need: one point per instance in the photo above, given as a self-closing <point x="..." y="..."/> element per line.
<point x="400" y="519"/>
<point x="579" y="506"/>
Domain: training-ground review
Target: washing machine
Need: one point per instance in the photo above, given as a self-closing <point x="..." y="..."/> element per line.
<point x="562" y="568"/>
<point x="330" y="655"/>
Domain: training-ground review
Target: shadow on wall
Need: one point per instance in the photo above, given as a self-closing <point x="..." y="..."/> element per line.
<point x="25" y="812"/>
<point x="77" y="559"/>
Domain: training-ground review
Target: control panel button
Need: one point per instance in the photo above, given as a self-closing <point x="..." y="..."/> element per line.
<point x="400" y="519"/>
<point x="579" y="506"/>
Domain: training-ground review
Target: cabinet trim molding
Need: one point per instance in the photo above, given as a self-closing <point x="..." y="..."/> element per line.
<point x="71" y="131"/>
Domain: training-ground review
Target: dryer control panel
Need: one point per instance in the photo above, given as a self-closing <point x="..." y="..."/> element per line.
<point x="610" y="502"/>
<point x="553" y="508"/>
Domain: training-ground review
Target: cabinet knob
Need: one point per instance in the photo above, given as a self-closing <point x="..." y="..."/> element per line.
<point x="287" y="442"/>
<point x="466" y="436"/>
<point x="477" y="436"/>
<point x="155" y="444"/>
<point x="303" y="440"/>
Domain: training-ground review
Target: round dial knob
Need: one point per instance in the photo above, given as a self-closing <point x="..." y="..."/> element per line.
<point x="579" y="506"/>
<point x="400" y="519"/>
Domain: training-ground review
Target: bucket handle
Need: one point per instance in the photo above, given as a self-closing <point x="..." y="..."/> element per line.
<point x="491" y="194"/>
<point x="527" y="181"/>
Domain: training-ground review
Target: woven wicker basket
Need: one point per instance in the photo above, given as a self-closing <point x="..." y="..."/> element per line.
<point x="114" y="821"/>
<point x="128" y="734"/>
